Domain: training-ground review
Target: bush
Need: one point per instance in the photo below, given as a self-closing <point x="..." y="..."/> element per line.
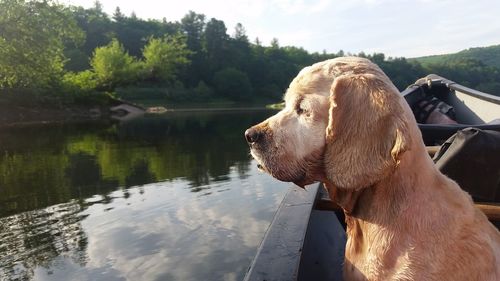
<point x="233" y="84"/>
<point x="80" y="88"/>
<point x="271" y="91"/>
<point x="178" y="93"/>
<point x="164" y="58"/>
<point x="202" y="91"/>
<point x="82" y="81"/>
<point x="141" y="93"/>
<point x="114" y="66"/>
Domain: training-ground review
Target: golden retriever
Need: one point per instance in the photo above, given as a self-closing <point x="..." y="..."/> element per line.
<point x="345" y="124"/>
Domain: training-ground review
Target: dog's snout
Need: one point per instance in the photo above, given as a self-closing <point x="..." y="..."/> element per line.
<point x="253" y="135"/>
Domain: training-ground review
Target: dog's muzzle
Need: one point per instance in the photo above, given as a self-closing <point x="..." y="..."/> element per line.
<point x="253" y="135"/>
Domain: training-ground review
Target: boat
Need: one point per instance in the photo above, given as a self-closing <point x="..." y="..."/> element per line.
<point x="472" y="108"/>
<point x="306" y="239"/>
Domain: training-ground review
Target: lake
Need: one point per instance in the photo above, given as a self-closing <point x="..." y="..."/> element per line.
<point x="163" y="197"/>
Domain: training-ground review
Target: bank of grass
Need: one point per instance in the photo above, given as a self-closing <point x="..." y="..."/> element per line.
<point x="176" y="98"/>
<point x="30" y="106"/>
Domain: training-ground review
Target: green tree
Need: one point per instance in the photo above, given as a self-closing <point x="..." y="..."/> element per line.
<point x="97" y="26"/>
<point x="275" y="43"/>
<point x="114" y="66"/>
<point x="118" y="15"/>
<point x="32" y="37"/>
<point x="239" y="49"/>
<point x="240" y="33"/>
<point x="216" y="44"/>
<point x="165" y="57"/>
<point x="134" y="33"/>
<point x="215" y="37"/>
<point x="193" y="24"/>
<point x="81" y="82"/>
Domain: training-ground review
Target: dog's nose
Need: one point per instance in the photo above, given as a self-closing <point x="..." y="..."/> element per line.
<point x="252" y="135"/>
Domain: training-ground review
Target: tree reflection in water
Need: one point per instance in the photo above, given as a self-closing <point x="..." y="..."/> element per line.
<point x="49" y="175"/>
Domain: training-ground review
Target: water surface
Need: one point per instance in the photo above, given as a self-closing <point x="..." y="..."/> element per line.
<point x="165" y="197"/>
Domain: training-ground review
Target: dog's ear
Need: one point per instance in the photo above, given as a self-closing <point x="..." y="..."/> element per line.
<point x="366" y="130"/>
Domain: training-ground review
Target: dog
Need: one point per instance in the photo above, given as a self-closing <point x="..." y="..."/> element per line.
<point x="345" y="124"/>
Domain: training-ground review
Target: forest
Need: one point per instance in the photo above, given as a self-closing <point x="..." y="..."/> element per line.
<point x="75" y="54"/>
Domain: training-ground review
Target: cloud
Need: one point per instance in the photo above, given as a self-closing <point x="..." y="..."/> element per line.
<point x="171" y="233"/>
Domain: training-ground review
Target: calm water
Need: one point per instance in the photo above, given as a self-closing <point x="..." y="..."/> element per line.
<point x="171" y="197"/>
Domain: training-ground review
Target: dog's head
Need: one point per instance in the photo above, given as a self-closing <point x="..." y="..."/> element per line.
<point x="343" y="122"/>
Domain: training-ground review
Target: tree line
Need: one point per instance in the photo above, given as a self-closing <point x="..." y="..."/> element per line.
<point x="49" y="48"/>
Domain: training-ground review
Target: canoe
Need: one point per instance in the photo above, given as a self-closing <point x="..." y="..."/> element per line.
<point x="472" y="107"/>
<point x="306" y="239"/>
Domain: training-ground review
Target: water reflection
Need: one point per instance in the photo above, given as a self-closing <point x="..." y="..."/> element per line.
<point x="43" y="166"/>
<point x="170" y="197"/>
<point x="36" y="238"/>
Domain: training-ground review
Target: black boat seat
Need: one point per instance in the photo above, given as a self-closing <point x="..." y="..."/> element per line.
<point x="472" y="158"/>
<point x="436" y="134"/>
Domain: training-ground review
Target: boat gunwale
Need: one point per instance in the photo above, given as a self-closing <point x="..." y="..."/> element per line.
<point x="436" y="80"/>
<point x="280" y="250"/>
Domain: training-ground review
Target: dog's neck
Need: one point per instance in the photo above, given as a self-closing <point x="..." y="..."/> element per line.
<point x="385" y="199"/>
<point x="347" y="199"/>
<point x="360" y="203"/>
<point x="377" y="211"/>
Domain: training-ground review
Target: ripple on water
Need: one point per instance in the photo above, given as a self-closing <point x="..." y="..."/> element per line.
<point x="36" y="237"/>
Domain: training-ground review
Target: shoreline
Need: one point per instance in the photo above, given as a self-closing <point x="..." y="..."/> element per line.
<point x="20" y="116"/>
<point x="195" y="109"/>
<point x="17" y="117"/>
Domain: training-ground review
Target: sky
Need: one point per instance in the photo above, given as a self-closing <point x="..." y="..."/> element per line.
<point x="395" y="28"/>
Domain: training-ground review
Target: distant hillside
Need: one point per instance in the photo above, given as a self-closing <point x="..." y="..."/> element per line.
<point x="488" y="55"/>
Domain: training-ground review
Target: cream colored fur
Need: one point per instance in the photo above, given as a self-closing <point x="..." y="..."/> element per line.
<point x="346" y="125"/>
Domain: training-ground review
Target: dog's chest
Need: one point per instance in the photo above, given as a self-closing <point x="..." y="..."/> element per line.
<point x="374" y="254"/>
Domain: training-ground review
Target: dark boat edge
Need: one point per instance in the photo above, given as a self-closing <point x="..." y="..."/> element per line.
<point x="278" y="256"/>
<point x="297" y="245"/>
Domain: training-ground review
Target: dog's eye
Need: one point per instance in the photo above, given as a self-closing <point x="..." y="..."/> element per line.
<point x="299" y="110"/>
<point x="302" y="111"/>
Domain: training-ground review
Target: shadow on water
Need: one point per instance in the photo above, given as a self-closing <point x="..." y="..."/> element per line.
<point x="50" y="175"/>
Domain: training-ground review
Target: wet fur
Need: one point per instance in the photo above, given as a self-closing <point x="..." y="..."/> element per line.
<point x="405" y="220"/>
